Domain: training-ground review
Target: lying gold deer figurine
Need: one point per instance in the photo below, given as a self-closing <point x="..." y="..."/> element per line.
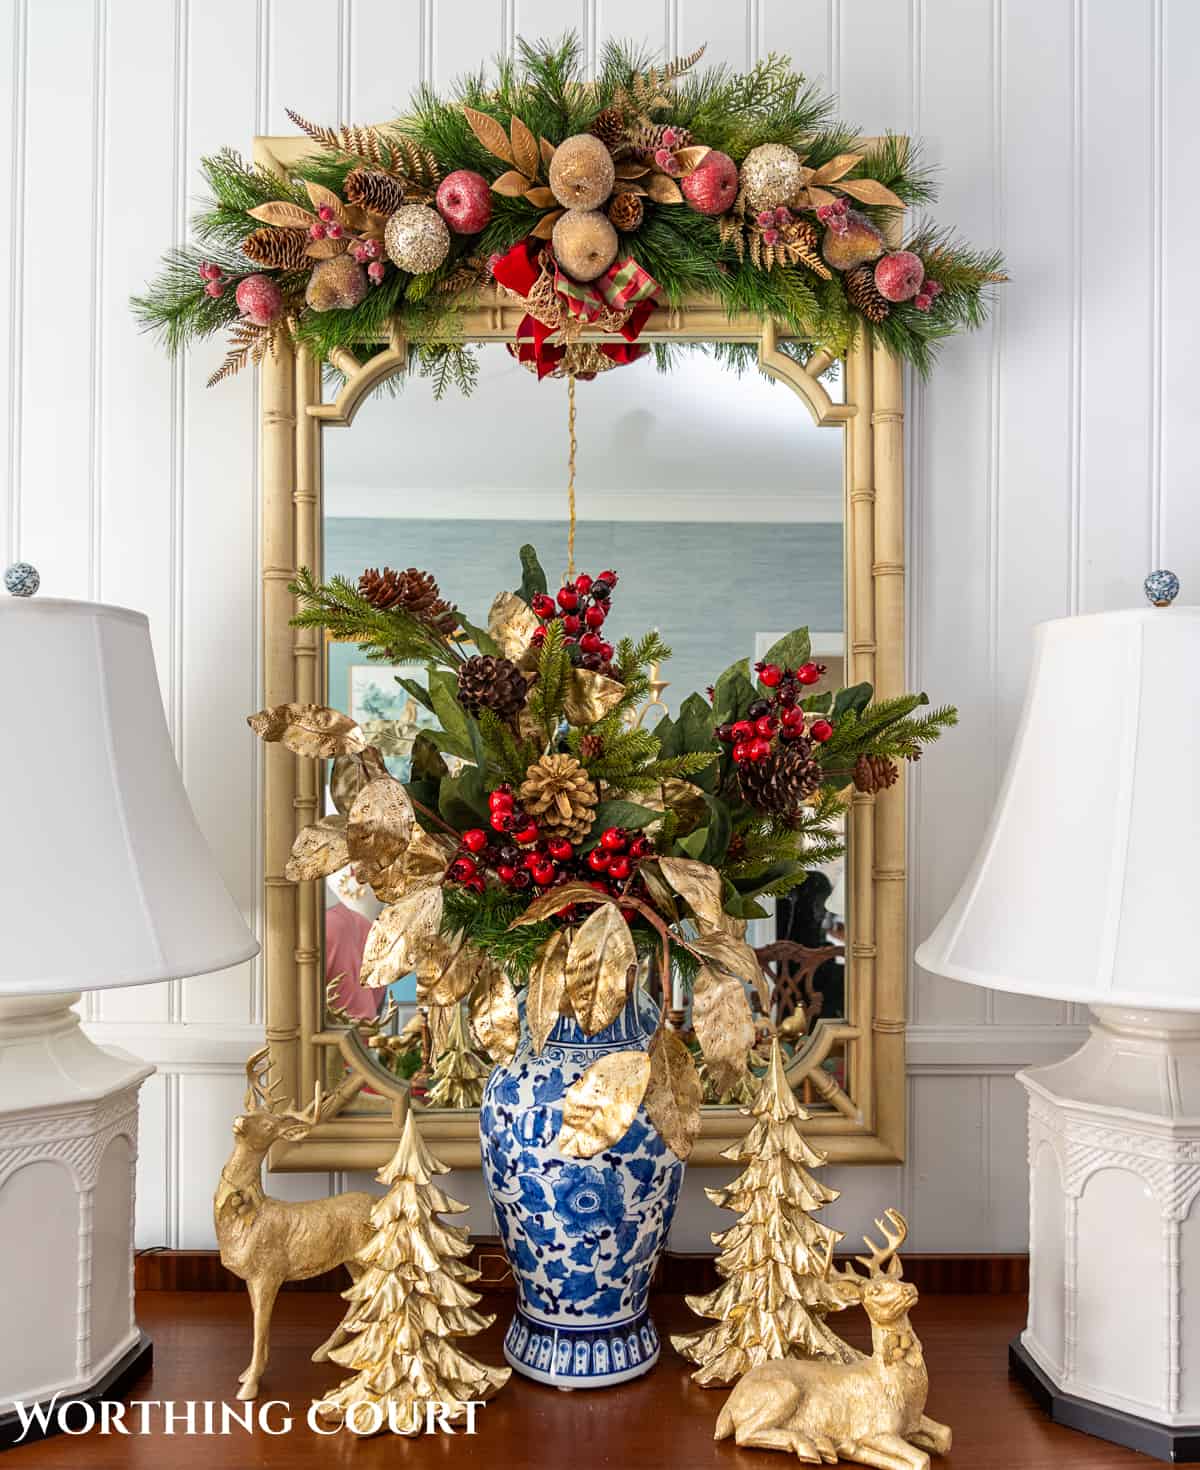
<point x="872" y="1410"/>
<point x="269" y="1241"/>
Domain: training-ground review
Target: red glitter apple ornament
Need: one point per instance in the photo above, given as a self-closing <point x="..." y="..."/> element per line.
<point x="898" y="276"/>
<point x="712" y="185"/>
<point x="259" y="300"/>
<point x="464" y="201"/>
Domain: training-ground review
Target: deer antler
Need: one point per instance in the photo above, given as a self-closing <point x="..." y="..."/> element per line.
<point x="356" y="1023"/>
<point x="262" y="1090"/>
<point x="885" y="1255"/>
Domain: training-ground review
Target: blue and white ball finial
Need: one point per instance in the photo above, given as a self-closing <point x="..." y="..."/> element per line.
<point x="22" y="580"/>
<point x="1161" y="588"/>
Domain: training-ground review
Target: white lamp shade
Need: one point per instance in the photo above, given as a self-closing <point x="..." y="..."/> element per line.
<point x="1085" y="886"/>
<point x="105" y="879"/>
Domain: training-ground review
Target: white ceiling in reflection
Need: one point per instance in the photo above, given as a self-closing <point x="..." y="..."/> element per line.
<point x="696" y="444"/>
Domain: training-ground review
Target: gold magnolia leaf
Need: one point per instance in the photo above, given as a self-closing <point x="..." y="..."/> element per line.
<point x="524" y="147"/>
<point x="632" y="170"/>
<point x="423" y="861"/>
<point x="556" y="898"/>
<point x="318" y="850"/>
<point x="326" y="249"/>
<point x="446" y="978"/>
<point x="433" y="955"/>
<point x="673" y="1094"/>
<point x="598" y="1109"/>
<point x="280" y="212"/>
<point x="309" y="729"/>
<point x="723" y="1024"/>
<point x="598" y="963"/>
<point x="323" y="197"/>
<point x="511" y="623"/>
<point x="625" y="186"/>
<point x="689" y="159"/>
<point x="663" y="190"/>
<point x="546" y="149"/>
<point x="494" y="1017"/>
<point x="399" y="935"/>
<point x="588" y="696"/>
<point x="699" y="885"/>
<point x="540" y="197"/>
<point x="687" y="802"/>
<point x="735" y="957"/>
<point x="440" y="1019"/>
<point x="380" y="824"/>
<point x="662" y="896"/>
<point x="511" y="184"/>
<point x="547" y="987"/>
<point x="819" y="197"/>
<point x="490" y="133"/>
<point x="351" y="773"/>
<point x="870" y="191"/>
<point x="545" y="226"/>
<point x="832" y="171"/>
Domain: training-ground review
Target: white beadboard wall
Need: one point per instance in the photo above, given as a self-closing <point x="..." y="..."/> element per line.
<point x="1053" y="458"/>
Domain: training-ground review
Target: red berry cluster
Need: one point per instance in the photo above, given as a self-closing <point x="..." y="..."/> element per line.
<point x="521" y="859"/>
<point x="779" y="716"/>
<point x="213" y="277"/>
<point x="582" y="606"/>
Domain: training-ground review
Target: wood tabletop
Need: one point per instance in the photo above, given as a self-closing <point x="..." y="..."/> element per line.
<point x="202" y="1342"/>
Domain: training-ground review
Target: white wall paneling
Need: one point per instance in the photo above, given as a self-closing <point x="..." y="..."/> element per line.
<point x="1052" y="459"/>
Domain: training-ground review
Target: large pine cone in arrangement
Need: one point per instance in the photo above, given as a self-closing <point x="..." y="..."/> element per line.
<point x="559" y="796"/>
<point x="865" y="295"/>
<point x="279" y="249"/>
<point x="609" y="127"/>
<point x="491" y="683"/>
<point x="377" y="193"/>
<point x="413" y="592"/>
<point x="784" y="781"/>
<point x="874" y="773"/>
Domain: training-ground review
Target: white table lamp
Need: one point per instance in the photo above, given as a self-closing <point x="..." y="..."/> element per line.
<point x="1086" y="889"/>
<point x="105" y="880"/>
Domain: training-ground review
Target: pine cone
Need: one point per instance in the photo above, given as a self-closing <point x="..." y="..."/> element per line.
<point x="874" y="773"/>
<point x="782" y="782"/>
<point x="625" y="213"/>
<point x="376" y="192"/>
<point x="591" y="746"/>
<point x="609" y="127"/>
<point x="491" y="683"/>
<point x="413" y="591"/>
<point x="279" y="249"/>
<point x="652" y="136"/>
<point x="864" y="295"/>
<point x="559" y="796"/>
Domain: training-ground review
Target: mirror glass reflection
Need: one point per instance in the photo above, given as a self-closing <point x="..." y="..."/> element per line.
<point x="720" y="504"/>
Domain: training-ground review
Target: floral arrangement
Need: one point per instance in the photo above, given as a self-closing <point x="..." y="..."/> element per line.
<point x="569" y="846"/>
<point x="592" y="202"/>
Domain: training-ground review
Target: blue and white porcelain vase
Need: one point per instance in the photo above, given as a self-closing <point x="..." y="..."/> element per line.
<point x="583" y="1235"/>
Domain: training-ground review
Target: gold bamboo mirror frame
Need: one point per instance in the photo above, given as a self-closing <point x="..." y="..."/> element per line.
<point x="865" y="1124"/>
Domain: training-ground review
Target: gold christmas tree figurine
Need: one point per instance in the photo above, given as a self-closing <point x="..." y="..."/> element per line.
<point x="460" y="1072"/>
<point x="776" y="1258"/>
<point x="409" y="1301"/>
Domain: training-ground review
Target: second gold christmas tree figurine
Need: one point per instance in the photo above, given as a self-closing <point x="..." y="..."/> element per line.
<point x="776" y="1258"/>
<point x="411" y="1299"/>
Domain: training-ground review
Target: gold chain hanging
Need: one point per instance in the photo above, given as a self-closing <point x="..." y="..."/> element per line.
<point x="571" y="477"/>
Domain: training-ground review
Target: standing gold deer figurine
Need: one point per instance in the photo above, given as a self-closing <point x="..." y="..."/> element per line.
<point x="871" y="1410"/>
<point x="268" y="1241"/>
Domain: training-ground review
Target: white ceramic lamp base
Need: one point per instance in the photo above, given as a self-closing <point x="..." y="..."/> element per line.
<point x="1113" y="1341"/>
<point x="68" y="1150"/>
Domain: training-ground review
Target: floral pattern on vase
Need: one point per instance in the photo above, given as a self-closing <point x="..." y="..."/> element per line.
<point x="583" y="1235"/>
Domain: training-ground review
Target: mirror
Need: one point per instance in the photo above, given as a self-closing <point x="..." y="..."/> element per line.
<point x="720" y="503"/>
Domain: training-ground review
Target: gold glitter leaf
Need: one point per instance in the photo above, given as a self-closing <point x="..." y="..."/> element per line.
<point x="547" y="988"/>
<point x="423" y="862"/>
<point x="831" y="172"/>
<point x="326" y="249"/>
<point x="589" y="696"/>
<point x="545" y="226"/>
<point x="325" y="198"/>
<point x="490" y="134"/>
<point x="598" y="964"/>
<point x="598" y="1109"/>
<point x="450" y="975"/>
<point x="723" y="1024"/>
<point x="735" y="957"/>
<point x="673" y="1094"/>
<point x="663" y="190"/>
<point x="511" y="623"/>
<point x="380" y="825"/>
<point x="351" y="773"/>
<point x="280" y="212"/>
<point x="550" y="903"/>
<point x="869" y="191"/>
<point x="690" y="159"/>
<point x="511" y="184"/>
<point x="698" y="885"/>
<point x="399" y="936"/>
<point x="546" y="149"/>
<point x="308" y="729"/>
<point x="540" y="197"/>
<point x="318" y="850"/>
<point x="494" y="1017"/>
<point x="524" y="147"/>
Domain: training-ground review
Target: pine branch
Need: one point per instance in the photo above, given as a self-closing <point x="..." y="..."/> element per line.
<point x="392" y="635"/>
